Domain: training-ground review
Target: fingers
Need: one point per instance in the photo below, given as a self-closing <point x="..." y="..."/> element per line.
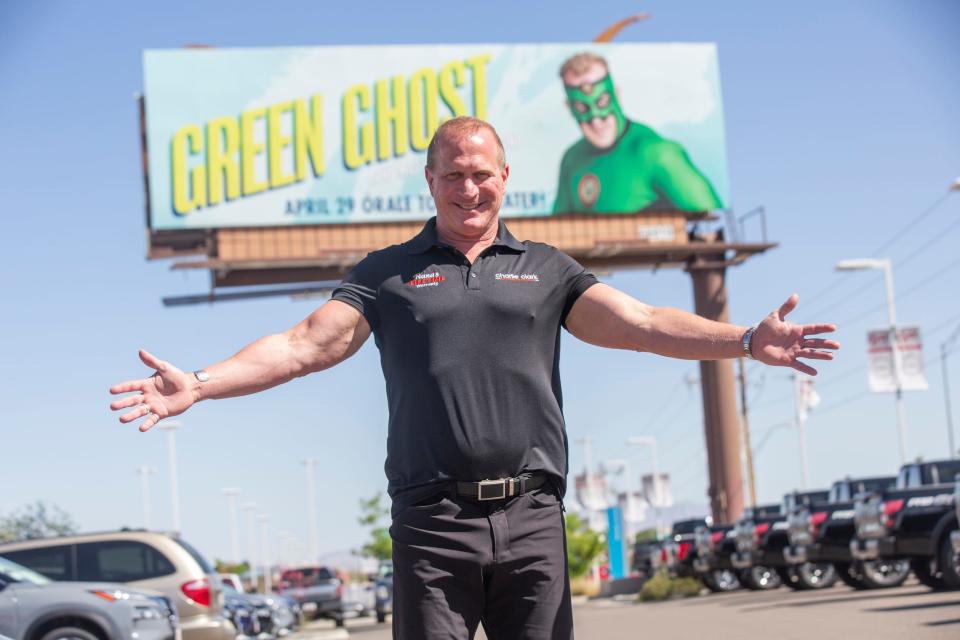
<point x="819" y="343"/>
<point x="128" y="386"/>
<point x="819" y="328"/>
<point x="815" y="355"/>
<point x="788" y="306"/>
<point x="147" y="424"/>
<point x="152" y="361"/>
<point x="803" y="368"/>
<point x="139" y="412"/>
<point x="129" y="401"/>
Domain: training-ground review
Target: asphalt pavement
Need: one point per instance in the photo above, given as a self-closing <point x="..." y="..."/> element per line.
<point x="911" y="611"/>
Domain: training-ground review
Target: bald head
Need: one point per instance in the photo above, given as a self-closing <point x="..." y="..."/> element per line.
<point x="457" y="129"/>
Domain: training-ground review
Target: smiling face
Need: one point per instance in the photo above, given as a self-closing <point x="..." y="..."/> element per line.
<point x="467" y="184"/>
<point x="593" y="103"/>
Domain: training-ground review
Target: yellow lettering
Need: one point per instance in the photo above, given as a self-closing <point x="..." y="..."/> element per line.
<point x="356" y="151"/>
<point x="308" y="129"/>
<point x="478" y="65"/>
<point x="391" y="116"/>
<point x="452" y="77"/>
<point x="423" y="108"/>
<point x="187" y="141"/>
<point x="276" y="142"/>
<point x="249" y="149"/>
<point x="223" y="142"/>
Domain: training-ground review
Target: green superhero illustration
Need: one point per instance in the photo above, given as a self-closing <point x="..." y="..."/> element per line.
<point x="620" y="166"/>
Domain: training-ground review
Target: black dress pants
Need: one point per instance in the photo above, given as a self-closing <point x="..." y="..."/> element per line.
<point x="458" y="563"/>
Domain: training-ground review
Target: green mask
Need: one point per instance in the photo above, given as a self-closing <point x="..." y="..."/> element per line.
<point x="595" y="100"/>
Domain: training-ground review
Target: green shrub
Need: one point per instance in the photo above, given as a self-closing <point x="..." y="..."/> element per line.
<point x="658" y="587"/>
<point x="661" y="587"/>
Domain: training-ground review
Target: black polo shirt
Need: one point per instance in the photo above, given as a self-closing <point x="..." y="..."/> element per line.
<point x="470" y="354"/>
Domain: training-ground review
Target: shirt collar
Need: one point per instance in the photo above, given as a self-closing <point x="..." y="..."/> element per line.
<point x="427" y="238"/>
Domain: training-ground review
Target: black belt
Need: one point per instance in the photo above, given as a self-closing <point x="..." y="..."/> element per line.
<point x="501" y="488"/>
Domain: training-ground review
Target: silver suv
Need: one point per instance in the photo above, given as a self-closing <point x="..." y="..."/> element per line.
<point x="146" y="559"/>
<point x="33" y="607"/>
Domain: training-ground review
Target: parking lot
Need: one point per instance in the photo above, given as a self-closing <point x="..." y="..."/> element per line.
<point x="912" y="611"/>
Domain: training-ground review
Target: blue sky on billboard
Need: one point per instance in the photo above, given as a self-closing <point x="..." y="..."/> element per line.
<point x="840" y="120"/>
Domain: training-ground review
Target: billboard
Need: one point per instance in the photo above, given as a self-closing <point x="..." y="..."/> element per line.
<point x="316" y="135"/>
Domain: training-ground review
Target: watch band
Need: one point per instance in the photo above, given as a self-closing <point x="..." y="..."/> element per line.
<point x="745" y="342"/>
<point x="201" y="375"/>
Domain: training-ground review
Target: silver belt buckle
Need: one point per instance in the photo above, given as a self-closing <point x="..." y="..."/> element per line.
<point x="500" y="495"/>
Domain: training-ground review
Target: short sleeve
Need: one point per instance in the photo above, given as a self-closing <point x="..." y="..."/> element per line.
<point x="359" y="289"/>
<point x="575" y="280"/>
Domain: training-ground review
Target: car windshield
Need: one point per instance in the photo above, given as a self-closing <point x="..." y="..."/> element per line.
<point x="17" y="573"/>
<point x="195" y="555"/>
<point x="944" y="472"/>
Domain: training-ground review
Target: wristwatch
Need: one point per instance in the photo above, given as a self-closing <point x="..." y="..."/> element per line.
<point x="745" y="342"/>
<point x="201" y="375"/>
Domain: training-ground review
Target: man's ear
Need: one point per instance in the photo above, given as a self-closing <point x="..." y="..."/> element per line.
<point x="505" y="173"/>
<point x="429" y="177"/>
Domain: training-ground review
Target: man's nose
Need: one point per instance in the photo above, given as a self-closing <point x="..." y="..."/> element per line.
<point x="469" y="188"/>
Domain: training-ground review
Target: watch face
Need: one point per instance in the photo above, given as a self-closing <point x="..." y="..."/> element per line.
<point x="201" y="375"/>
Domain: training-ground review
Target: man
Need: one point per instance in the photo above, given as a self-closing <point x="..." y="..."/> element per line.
<point x="467" y="320"/>
<point x="620" y="166"/>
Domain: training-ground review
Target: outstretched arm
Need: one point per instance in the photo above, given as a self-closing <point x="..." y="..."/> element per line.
<point x="328" y="336"/>
<point x="606" y="317"/>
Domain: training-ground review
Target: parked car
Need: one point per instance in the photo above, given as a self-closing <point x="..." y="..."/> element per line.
<point x="383" y="592"/>
<point x="141" y="559"/>
<point x="317" y="590"/>
<point x="747" y="534"/>
<point x="913" y="521"/>
<point x="33" y="607"/>
<point x="822" y="535"/>
<point x="275" y="614"/>
<point x="713" y="547"/>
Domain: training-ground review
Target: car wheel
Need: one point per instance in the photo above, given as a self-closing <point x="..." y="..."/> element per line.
<point x="339" y="621"/>
<point x="69" y="633"/>
<point x="926" y="571"/>
<point x="849" y="575"/>
<point x="809" y="575"/>
<point x="761" y="578"/>
<point x="884" y="573"/>
<point x="949" y="562"/>
<point x="721" y="580"/>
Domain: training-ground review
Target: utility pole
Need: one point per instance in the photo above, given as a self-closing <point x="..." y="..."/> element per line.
<point x="310" y="463"/>
<point x="800" y="413"/>
<point x="264" y="519"/>
<point x="145" y="472"/>
<point x="745" y="430"/>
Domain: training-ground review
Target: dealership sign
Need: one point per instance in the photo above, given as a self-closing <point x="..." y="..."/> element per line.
<point x="882" y="370"/>
<point x="292" y="136"/>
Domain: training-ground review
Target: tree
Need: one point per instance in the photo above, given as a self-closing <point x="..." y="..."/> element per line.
<point x="583" y="545"/>
<point x="223" y="566"/>
<point x="36" y="521"/>
<point x="372" y="512"/>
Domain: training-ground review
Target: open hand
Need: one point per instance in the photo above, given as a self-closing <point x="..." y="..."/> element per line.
<point x="168" y="392"/>
<point x="778" y="342"/>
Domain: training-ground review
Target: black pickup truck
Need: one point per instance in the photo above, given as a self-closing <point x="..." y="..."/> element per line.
<point x="764" y="542"/>
<point x="725" y="550"/>
<point x="913" y="521"/>
<point x="822" y="535"/>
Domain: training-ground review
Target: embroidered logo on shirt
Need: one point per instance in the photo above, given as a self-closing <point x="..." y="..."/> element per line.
<point x="517" y="277"/>
<point x="426" y="279"/>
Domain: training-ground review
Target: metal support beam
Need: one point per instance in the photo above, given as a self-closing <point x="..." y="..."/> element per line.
<point x="721" y="422"/>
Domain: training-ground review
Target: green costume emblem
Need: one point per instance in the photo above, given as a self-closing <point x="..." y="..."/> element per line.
<point x="588" y="190"/>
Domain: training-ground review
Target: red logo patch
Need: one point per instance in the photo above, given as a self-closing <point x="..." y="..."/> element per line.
<point x="431" y="279"/>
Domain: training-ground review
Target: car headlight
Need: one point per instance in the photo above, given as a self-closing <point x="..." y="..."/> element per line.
<point x="145" y="612"/>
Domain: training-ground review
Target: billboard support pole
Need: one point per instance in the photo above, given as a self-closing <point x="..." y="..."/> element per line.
<point x="720" y="416"/>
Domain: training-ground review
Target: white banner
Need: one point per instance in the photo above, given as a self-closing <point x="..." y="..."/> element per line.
<point x="880" y="356"/>
<point x="592" y="497"/>
<point x="661" y="498"/>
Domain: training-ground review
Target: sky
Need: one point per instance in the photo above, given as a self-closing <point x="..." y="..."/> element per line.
<point x="840" y="122"/>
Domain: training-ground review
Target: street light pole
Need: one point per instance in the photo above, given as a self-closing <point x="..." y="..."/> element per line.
<point x="800" y="410"/>
<point x="249" y="508"/>
<point x="652" y="442"/>
<point x="265" y="543"/>
<point x="310" y="463"/>
<point x="945" y="347"/>
<point x="145" y="472"/>
<point x="884" y="264"/>
<point x="231" y="495"/>
<point x="171" y="427"/>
